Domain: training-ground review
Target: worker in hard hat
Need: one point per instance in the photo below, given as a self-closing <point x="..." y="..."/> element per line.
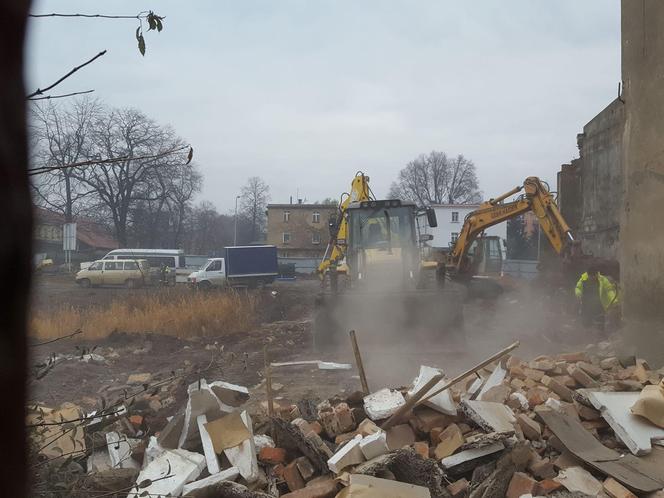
<point x="597" y="296"/>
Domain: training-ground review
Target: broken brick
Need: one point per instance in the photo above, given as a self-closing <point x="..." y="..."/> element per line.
<point x="292" y="476"/>
<point x="616" y="490"/>
<point x="531" y="429"/>
<point x="421" y="448"/>
<point x="574" y="357"/>
<point x="546" y="487"/>
<point x="581" y="377"/>
<point x="590" y="369"/>
<point x="451" y="439"/>
<point x="542" y="363"/>
<point x="558" y="388"/>
<point x="520" y="484"/>
<point x="458" y="488"/>
<point x="542" y="468"/>
<point x="272" y="456"/>
<point x="537" y="396"/>
<point x="326" y="488"/>
<point x="306" y="468"/>
<point x="534" y="374"/>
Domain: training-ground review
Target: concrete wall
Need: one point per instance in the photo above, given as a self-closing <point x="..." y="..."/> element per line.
<point x="642" y="222"/>
<point x="591" y="187"/>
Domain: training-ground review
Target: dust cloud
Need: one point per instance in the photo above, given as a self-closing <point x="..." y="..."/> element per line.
<point x="397" y="332"/>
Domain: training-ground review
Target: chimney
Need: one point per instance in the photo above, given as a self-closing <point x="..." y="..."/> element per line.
<point x="299" y="201"/>
<point x="291" y="199"/>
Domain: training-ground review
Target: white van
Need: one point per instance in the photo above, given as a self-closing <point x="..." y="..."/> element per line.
<point x="172" y="258"/>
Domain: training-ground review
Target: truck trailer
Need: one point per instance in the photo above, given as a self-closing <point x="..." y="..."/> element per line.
<point x="241" y="266"/>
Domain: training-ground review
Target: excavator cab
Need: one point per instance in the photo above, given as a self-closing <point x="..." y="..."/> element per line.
<point x="382" y="250"/>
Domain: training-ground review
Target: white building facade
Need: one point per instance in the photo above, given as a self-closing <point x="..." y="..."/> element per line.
<point x="450" y="220"/>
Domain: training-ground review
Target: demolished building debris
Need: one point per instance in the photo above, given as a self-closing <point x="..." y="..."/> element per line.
<point x="564" y="422"/>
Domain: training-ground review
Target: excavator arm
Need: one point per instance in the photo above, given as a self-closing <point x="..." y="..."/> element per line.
<point x="336" y="247"/>
<point x="536" y="198"/>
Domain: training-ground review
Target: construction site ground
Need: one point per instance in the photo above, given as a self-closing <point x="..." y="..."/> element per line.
<point x="530" y="317"/>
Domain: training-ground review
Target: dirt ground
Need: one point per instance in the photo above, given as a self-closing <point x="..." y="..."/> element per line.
<point x="534" y="319"/>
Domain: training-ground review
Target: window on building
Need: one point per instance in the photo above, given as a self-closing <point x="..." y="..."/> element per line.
<point x="286" y="216"/>
<point x="316" y="217"/>
<point x="455" y="236"/>
<point x="315" y="238"/>
<point x="455" y="216"/>
<point x="286" y="237"/>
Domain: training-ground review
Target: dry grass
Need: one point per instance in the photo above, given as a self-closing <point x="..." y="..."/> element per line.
<point x="185" y="314"/>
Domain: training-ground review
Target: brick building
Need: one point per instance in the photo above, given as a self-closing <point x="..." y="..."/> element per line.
<point x="300" y="232"/>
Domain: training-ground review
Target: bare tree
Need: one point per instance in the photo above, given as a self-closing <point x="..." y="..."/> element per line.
<point x="255" y="196"/>
<point x="61" y="135"/>
<point x="129" y="136"/>
<point x="437" y="179"/>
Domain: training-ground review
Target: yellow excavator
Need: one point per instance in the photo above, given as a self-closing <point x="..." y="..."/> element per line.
<point x="471" y="249"/>
<point x="376" y="278"/>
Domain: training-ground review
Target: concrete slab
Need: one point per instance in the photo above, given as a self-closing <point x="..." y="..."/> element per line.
<point x="490" y="416"/>
<point x="578" y="479"/>
<point x="202" y="401"/>
<point x="495" y="379"/>
<point x="208" y="448"/>
<point x="181" y="465"/>
<point x="469" y="455"/>
<point x="443" y="401"/>
<point x="119" y="451"/>
<point x="349" y="454"/>
<point x="383" y="404"/>
<point x="243" y="456"/>
<point x="225" y="475"/>
<point x="374" y="445"/>
<point x="635" y="432"/>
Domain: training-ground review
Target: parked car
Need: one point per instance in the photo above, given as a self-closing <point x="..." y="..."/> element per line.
<point x="128" y="272"/>
<point x="241" y="266"/>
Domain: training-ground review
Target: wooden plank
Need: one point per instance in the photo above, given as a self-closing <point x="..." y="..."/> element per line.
<point x="630" y="470"/>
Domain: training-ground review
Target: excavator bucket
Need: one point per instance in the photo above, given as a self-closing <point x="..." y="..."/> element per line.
<point x="385" y="319"/>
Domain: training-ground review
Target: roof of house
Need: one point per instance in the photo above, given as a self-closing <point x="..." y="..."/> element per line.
<point x="88" y="231"/>
<point x="302" y="206"/>
<point x="455" y="205"/>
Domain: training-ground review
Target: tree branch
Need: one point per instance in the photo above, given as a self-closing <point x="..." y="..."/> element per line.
<point x="41" y="91"/>
<point x="137" y="16"/>
<point x="78" y="331"/>
<point x="45" y="169"/>
<point x="49" y="97"/>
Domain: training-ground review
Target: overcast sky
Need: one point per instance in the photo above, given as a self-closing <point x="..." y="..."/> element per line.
<point x="306" y="92"/>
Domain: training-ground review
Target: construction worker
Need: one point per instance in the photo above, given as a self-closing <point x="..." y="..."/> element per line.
<point x="597" y="295"/>
<point x="165" y="271"/>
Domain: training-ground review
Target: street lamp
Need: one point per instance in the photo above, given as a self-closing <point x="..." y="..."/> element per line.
<point x="235" y="229"/>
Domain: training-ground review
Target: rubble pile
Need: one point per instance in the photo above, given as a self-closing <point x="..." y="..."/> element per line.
<point x="553" y="426"/>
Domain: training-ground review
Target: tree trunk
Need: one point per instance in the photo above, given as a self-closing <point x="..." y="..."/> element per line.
<point x="15" y="249"/>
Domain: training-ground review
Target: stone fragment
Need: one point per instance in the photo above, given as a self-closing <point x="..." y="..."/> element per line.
<point x="537" y="396"/>
<point x="574" y="357"/>
<point x="609" y="363"/>
<point x="367" y="427"/>
<point x="533" y="374"/>
<point x="424" y="419"/>
<point x="421" y="448"/>
<point x="542" y="363"/>
<point x="497" y="394"/>
<point x="542" y="468"/>
<point x="119" y="451"/>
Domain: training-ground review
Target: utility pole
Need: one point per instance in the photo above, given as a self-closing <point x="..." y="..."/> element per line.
<point x="235" y="229"/>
